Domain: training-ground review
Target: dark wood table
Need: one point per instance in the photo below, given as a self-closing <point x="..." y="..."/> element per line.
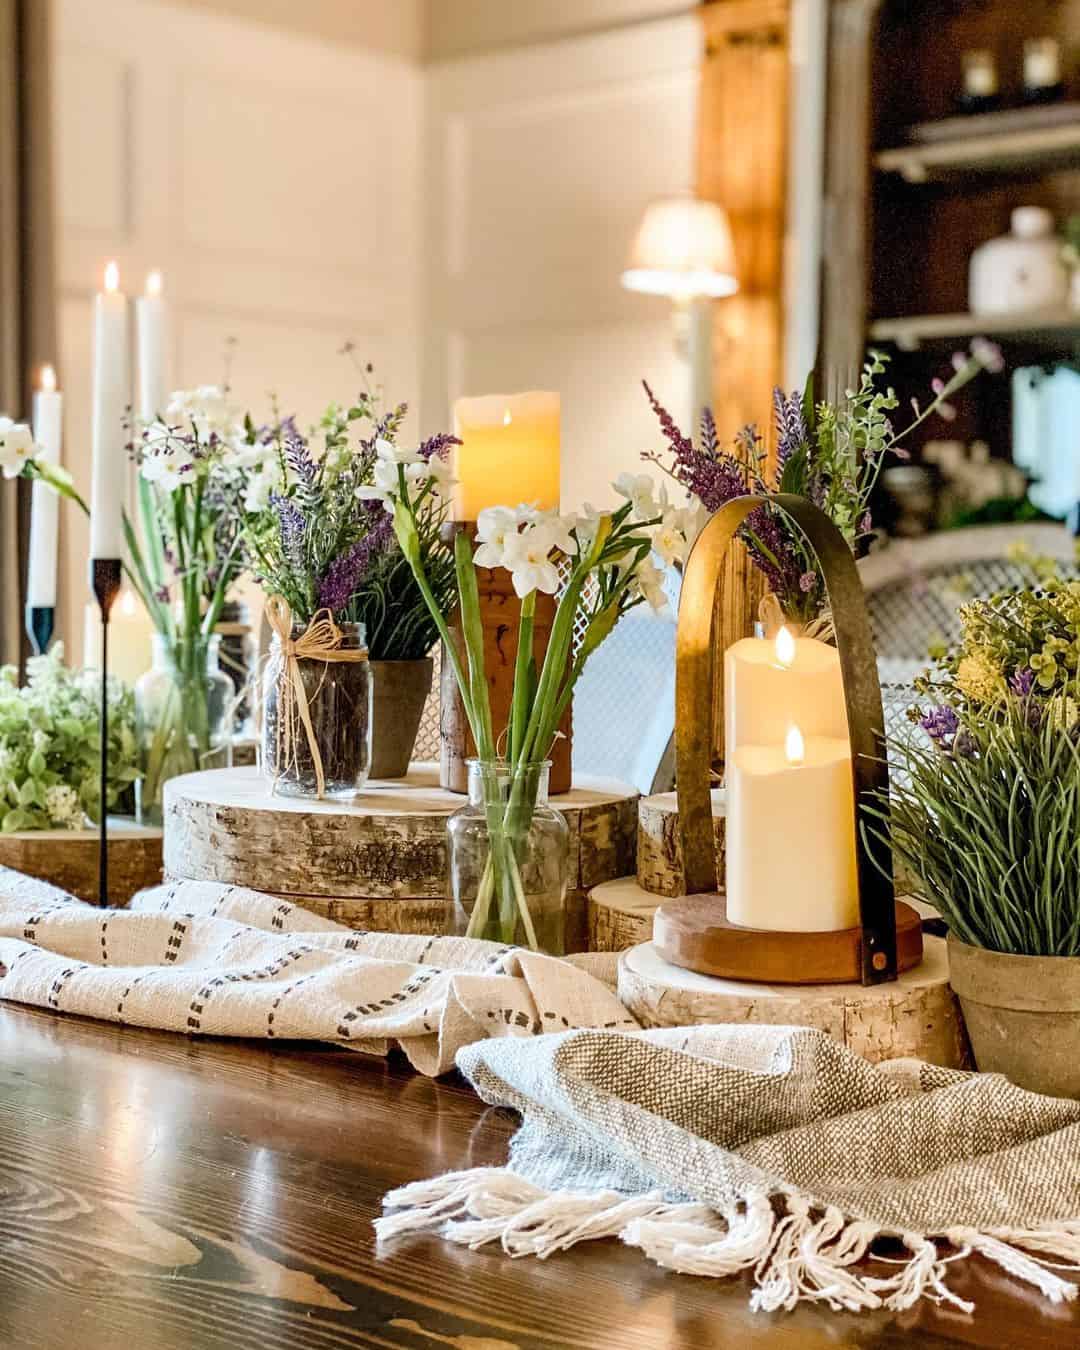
<point x="159" y="1193"/>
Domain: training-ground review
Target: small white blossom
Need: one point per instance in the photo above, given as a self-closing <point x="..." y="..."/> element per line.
<point x="668" y="539"/>
<point x="495" y="527"/>
<point x="62" y="806"/>
<point x="528" y="556"/>
<point x="640" y="490"/>
<point x="389" y="453"/>
<point x="205" y="411"/>
<point x="17" y="447"/>
<point x="649" y="581"/>
<point x="259" y="486"/>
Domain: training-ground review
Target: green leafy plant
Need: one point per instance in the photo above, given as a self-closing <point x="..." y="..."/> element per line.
<point x="989" y="826"/>
<point x="50" y="746"/>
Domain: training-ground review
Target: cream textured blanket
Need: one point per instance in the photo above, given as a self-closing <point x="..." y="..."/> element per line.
<point x="217" y="960"/>
<point x="772" y="1150"/>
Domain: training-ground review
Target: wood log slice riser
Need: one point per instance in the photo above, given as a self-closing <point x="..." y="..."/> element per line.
<point x="659" y="852"/>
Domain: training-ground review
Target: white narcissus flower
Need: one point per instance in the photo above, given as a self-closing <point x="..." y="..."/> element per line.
<point x="585" y="525"/>
<point x="16" y="447"/>
<point x="640" y="490"/>
<point x="205" y="410"/>
<point x="649" y="580"/>
<point x="496" y="526"/>
<point x="559" y="528"/>
<point x="528" y="556"/>
<point x="692" y="520"/>
<point x="668" y="539"/>
<point x="442" y="472"/>
<point x="259" y="486"/>
<point x="389" y="453"/>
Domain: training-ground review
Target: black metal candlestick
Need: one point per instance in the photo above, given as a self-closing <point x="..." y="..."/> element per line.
<point x="40" y="620"/>
<point x="105" y="574"/>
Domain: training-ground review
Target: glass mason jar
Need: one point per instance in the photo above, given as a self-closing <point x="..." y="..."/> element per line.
<point x="182" y="713"/>
<point x="508" y="858"/>
<point x="338" y="694"/>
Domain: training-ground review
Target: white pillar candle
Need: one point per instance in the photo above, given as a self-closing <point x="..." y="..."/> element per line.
<point x="130" y="635"/>
<point x="791" y="836"/>
<point x="151" y="323"/>
<point x="110" y="402"/>
<point x="509" y="452"/>
<point x="772" y="684"/>
<point x="44" y="500"/>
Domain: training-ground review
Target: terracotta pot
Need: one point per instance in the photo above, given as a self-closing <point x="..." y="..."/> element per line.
<point x="400" y="691"/>
<point x="1022" y="1015"/>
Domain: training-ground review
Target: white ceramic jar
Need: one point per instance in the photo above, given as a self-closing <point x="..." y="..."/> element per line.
<point x="1022" y="270"/>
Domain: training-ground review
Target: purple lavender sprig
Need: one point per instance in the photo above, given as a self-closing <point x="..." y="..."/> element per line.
<point x="790" y="425"/>
<point x="298" y="457"/>
<point x="292" y="528"/>
<point x="437" y="446"/>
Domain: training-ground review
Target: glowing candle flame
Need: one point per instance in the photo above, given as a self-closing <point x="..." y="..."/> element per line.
<point x="794" y="746"/>
<point x="785" y="648"/>
<point x="153" y="283"/>
<point x="112" y="277"/>
<point x="507" y="419"/>
<point x="47" y="383"/>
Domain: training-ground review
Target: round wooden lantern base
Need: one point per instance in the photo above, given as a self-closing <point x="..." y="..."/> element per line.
<point x="694" y="932"/>
<point x="916" y="1015"/>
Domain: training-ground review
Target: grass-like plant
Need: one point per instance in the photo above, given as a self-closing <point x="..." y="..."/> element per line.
<point x="986" y="818"/>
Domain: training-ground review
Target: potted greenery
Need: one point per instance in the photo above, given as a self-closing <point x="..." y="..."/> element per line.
<point x="349" y="671"/>
<point x="985" y="815"/>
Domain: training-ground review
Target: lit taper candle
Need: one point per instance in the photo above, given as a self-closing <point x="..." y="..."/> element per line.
<point x="44" y="501"/>
<point x="151" y="336"/>
<point x="110" y="403"/>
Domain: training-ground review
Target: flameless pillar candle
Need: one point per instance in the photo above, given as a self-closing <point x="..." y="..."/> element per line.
<point x="773" y="684"/>
<point x="44" y="501"/>
<point x="151" y="321"/>
<point x="791" y="836"/>
<point x="130" y="634"/>
<point x="110" y="402"/>
<point x="509" y="452"/>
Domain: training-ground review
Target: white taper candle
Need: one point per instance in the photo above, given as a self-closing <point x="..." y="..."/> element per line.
<point x="44" y="501"/>
<point x="151" y="324"/>
<point x="110" y="402"/>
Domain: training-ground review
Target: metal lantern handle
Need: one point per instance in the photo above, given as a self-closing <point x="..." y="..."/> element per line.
<point x="696" y="652"/>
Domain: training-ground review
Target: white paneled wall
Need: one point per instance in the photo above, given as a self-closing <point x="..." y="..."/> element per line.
<point x="272" y="176"/>
<point x="464" y="222"/>
<point x="540" y="161"/>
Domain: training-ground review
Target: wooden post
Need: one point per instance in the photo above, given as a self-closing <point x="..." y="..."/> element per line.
<point x="742" y="165"/>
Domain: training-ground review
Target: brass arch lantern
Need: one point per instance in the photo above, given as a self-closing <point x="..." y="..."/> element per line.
<point x="870" y="952"/>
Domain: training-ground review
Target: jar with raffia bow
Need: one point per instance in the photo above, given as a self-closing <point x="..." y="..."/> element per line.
<point x="316" y="709"/>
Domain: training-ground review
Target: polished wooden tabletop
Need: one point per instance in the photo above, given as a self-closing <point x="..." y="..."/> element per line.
<point x="159" y="1193"/>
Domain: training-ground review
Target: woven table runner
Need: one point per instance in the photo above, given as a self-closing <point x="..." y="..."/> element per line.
<point x="771" y="1150"/>
<point x="215" y="960"/>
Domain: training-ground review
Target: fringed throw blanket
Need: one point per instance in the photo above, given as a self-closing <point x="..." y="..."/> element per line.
<point x="219" y="960"/>
<point x="766" y="1149"/>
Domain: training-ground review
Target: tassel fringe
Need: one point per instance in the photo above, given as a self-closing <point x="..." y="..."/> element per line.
<point x="798" y="1254"/>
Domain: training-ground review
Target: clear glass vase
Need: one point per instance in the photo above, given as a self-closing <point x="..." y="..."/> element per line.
<point x="337" y="695"/>
<point x="182" y="714"/>
<point x="508" y="858"/>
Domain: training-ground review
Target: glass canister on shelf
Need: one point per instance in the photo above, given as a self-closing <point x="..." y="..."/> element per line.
<point x="316" y="706"/>
<point x="1022" y="270"/>
<point x="183" y="709"/>
<point x="508" y="858"/>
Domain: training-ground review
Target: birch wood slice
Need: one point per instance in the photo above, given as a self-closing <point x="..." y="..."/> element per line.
<point x="69" y="858"/>
<point x="659" y="854"/>
<point x="619" y="914"/>
<point x="916" y="1016"/>
<point x="389" y="843"/>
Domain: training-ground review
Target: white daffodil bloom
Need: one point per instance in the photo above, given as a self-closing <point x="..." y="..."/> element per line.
<point x="389" y="453"/>
<point x="586" y="522"/>
<point x="528" y="556"/>
<point x="496" y="526"/>
<point x="692" y="519"/>
<point x="259" y="486"/>
<point x="640" y="490"/>
<point x="649" y="580"/>
<point x="668" y="539"/>
<point x="16" y="447"/>
<point x="441" y="471"/>
<point x="206" y="411"/>
<point x="559" y="527"/>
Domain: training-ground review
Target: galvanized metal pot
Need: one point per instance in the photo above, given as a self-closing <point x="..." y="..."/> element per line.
<point x="1022" y="1015"/>
<point x="401" y="689"/>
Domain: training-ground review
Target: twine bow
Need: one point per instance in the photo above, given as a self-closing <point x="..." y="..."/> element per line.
<point x="321" y="641"/>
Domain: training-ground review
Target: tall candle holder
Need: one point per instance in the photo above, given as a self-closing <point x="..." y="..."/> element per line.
<point x="40" y="623"/>
<point x="889" y="936"/>
<point x="105" y="576"/>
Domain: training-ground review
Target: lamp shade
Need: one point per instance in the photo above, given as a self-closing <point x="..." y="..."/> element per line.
<point x="683" y="249"/>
